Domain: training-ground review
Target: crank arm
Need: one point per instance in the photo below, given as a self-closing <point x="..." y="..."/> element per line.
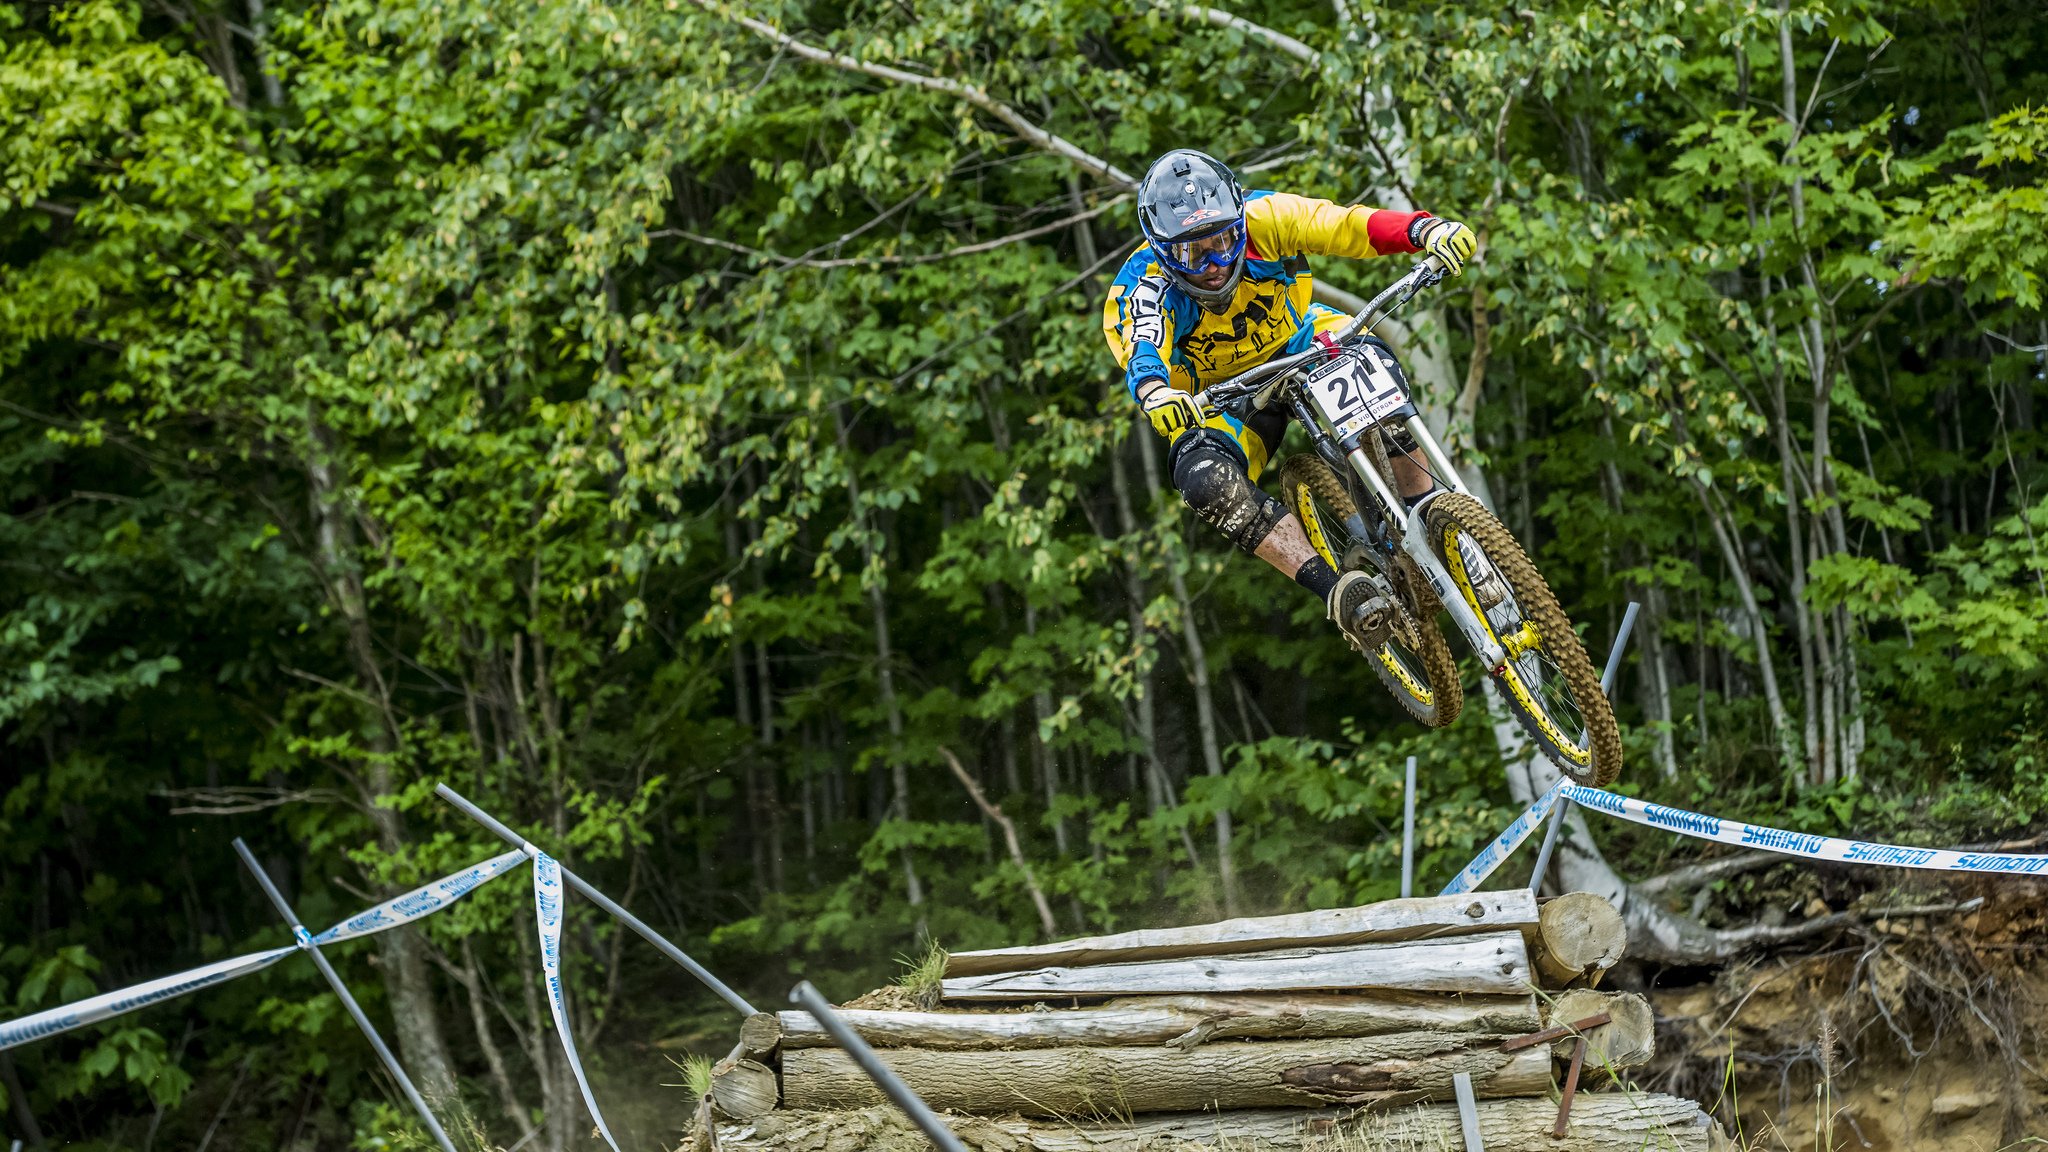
<point x="1415" y="542"/>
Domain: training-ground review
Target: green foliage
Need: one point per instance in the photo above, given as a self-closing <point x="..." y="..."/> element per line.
<point x="579" y="404"/>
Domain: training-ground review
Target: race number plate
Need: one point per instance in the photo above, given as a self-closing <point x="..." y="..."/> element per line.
<point x="1356" y="391"/>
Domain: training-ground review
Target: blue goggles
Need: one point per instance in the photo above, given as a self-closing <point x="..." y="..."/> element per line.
<point x="1219" y="249"/>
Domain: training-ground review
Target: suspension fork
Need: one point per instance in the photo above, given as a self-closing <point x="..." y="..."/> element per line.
<point x="1435" y="452"/>
<point x="1333" y="455"/>
<point x="1415" y="540"/>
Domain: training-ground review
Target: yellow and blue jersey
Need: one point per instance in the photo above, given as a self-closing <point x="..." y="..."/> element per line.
<point x="1159" y="332"/>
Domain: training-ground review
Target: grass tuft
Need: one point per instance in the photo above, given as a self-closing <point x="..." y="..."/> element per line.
<point x="924" y="975"/>
<point x="696" y="1075"/>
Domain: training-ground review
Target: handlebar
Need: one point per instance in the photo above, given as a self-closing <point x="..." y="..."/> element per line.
<point x="1428" y="271"/>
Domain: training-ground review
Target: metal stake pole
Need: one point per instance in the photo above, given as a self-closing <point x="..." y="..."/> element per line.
<point x="1468" y="1112"/>
<point x="1408" y="833"/>
<point x="1607" y="674"/>
<point x="348" y="1001"/>
<point x="603" y="901"/>
<point x="808" y="998"/>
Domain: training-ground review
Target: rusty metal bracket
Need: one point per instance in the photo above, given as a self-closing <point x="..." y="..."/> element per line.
<point x="1555" y="1032"/>
<point x="1571" y="1088"/>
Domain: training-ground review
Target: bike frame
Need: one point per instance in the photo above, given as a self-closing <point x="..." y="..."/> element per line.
<point x="1278" y="380"/>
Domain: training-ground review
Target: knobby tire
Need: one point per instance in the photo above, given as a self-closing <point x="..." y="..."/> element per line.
<point x="1599" y="762"/>
<point x="1308" y="482"/>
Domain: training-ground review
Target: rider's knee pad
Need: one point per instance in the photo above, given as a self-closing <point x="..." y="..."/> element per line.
<point x="1211" y="473"/>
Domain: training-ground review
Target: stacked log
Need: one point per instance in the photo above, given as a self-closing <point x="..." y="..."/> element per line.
<point x="1279" y="1030"/>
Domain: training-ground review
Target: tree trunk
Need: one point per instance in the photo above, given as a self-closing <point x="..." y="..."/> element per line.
<point x="1180" y="1021"/>
<point x="1795" y="533"/>
<point x="561" y="1104"/>
<point x="1197" y="662"/>
<point x="885" y="679"/>
<point x="415" y="1017"/>
<point x="1159" y="789"/>
<point x="17" y="1099"/>
<point x="1047" y="760"/>
<point x="1727" y="536"/>
<point x="1656" y="678"/>
<point x="994" y="813"/>
<point x="494" y="1059"/>
<point x="771" y="782"/>
<point x="1401" y="1067"/>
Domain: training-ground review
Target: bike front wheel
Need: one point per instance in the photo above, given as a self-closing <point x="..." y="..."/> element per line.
<point x="1416" y="667"/>
<point x="1548" y="682"/>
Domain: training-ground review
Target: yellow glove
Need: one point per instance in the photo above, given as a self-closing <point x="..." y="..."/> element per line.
<point x="1448" y="241"/>
<point x="1171" y="410"/>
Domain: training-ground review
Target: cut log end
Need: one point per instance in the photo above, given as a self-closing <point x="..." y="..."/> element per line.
<point x="760" y="1035"/>
<point x="744" y="1089"/>
<point x="1579" y="936"/>
<point x="1627" y="1040"/>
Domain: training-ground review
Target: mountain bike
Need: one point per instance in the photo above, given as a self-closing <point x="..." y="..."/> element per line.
<point x="1447" y="552"/>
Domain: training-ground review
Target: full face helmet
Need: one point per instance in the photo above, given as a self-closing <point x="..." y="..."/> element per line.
<point x="1191" y="211"/>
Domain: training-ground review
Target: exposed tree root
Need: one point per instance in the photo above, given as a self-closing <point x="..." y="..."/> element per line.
<point x="1958" y="981"/>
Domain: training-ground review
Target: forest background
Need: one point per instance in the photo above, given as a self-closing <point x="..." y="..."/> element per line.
<point x="684" y="427"/>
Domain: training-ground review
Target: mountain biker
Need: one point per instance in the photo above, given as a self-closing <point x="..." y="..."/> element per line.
<point x="1222" y="285"/>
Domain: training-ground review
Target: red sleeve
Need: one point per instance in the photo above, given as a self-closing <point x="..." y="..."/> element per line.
<point x="1389" y="231"/>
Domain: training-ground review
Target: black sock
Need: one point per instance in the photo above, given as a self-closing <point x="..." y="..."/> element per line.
<point x="1317" y="576"/>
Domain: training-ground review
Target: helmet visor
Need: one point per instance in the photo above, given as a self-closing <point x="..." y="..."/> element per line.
<point x="1218" y="249"/>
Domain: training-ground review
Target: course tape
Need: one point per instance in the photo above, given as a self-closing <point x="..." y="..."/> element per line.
<point x="1495" y="854"/>
<point x="547" y="907"/>
<point x="1800" y="844"/>
<point x="93" y="1008"/>
<point x="422" y="901"/>
<point x="1703" y="827"/>
<point x="419" y="902"/>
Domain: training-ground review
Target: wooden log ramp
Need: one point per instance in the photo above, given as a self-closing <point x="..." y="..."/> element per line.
<point x="1180" y="1021"/>
<point x="1384" y="1070"/>
<point x="1488" y="963"/>
<point x="1390" y="920"/>
<point x="1608" y="1122"/>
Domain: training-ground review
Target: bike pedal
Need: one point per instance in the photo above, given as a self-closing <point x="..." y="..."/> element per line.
<point x="1365" y="616"/>
<point x="1373" y="626"/>
<point x="1377" y="636"/>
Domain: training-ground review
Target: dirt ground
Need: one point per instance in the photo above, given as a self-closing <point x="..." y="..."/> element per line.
<point x="1908" y="1034"/>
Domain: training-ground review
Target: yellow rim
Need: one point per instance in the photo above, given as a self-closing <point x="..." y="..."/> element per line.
<point x="1399" y="671"/>
<point x="1312" y="524"/>
<point x="1305" y="508"/>
<point x="1525" y="639"/>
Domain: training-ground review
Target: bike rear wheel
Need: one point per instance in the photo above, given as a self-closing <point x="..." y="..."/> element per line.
<point x="1417" y="667"/>
<point x="1548" y="681"/>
